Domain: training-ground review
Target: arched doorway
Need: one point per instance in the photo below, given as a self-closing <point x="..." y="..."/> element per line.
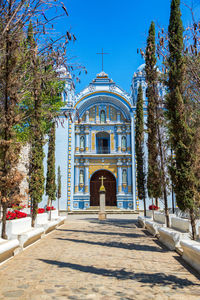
<point x="110" y="186"/>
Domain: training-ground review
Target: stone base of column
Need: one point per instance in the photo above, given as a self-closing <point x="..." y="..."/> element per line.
<point x="102" y="216"/>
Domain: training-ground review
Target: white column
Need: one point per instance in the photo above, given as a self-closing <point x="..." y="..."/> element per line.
<point x="119" y="171"/>
<point x="86" y="178"/>
<point x="87" y="119"/>
<point x="119" y="141"/>
<point x="133" y="161"/>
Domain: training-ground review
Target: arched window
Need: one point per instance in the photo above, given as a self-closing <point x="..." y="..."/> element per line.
<point x="123" y="142"/>
<point x="102" y="116"/>
<point x="81" y="177"/>
<point x="82" y="142"/>
<point x="124" y="176"/>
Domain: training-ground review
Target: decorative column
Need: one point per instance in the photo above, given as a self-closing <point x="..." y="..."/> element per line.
<point x="97" y="114"/>
<point x="86" y="176"/>
<point x="87" y="118"/>
<point x="108" y="116"/>
<point x="129" y="180"/>
<point x="87" y="139"/>
<point x="77" y="140"/>
<point x="128" y="139"/>
<point x="119" y="140"/>
<point x="76" y="178"/>
<point x="133" y="162"/>
<point x="119" y="171"/>
<point x="118" y="117"/>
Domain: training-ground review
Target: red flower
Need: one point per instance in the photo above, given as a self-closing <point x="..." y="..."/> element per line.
<point x="48" y="208"/>
<point x="153" y="207"/>
<point x="41" y="210"/>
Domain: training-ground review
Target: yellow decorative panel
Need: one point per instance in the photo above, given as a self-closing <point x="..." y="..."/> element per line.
<point x="76" y="189"/>
<point x="111" y="168"/>
<point x="93" y="140"/>
<point x="129" y="189"/>
<point x="83" y="118"/>
<point x="107" y="108"/>
<point x="119" y="189"/>
<point x="97" y="117"/>
<point x="92" y="114"/>
<point x="113" y="114"/>
<point x="112" y="141"/>
<point x="86" y="189"/>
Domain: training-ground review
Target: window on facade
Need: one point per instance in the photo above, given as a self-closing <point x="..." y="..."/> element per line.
<point x="82" y="142"/>
<point x="103" y="142"/>
<point x="124" y="143"/>
<point x="81" y="177"/>
<point x="102" y="116"/>
<point x="124" y="176"/>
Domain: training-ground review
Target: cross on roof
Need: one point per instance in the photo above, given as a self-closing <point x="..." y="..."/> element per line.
<point x="102" y="53"/>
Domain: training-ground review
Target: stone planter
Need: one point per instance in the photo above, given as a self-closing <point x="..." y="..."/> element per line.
<point x="182" y="225"/>
<point x="152" y="227"/>
<point x="191" y="253"/>
<point x="172" y="238"/>
<point x="159" y="217"/>
<point x="41" y="219"/>
<point x="54" y="214"/>
<point x="149" y="213"/>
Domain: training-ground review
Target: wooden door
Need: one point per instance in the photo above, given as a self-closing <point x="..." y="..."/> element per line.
<point x="110" y="186"/>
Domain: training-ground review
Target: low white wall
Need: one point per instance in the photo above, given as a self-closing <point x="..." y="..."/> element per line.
<point x="41" y="219"/>
<point x="191" y="253"/>
<point x="180" y="224"/>
<point x="17" y="226"/>
<point x="149" y="213"/>
<point x="159" y="217"/>
<point x="54" y="214"/>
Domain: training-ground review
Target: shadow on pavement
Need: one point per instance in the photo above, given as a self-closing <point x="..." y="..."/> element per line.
<point x="128" y="246"/>
<point x="128" y="235"/>
<point x="160" y="279"/>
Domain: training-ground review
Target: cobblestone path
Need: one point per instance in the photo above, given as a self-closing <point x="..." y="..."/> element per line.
<point x="85" y="259"/>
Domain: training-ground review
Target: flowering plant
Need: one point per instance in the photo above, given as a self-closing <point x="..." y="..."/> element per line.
<point x="17" y="207"/>
<point x="11" y="215"/>
<point x="48" y="208"/>
<point x="41" y="210"/>
<point x="153" y="207"/>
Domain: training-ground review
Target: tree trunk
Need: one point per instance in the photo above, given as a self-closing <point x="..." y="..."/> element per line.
<point x="162" y="170"/>
<point x="145" y="211"/>
<point x="34" y="213"/>
<point x="59" y="206"/>
<point x="152" y="209"/>
<point x="3" y="233"/>
<point x="50" y="210"/>
<point x="193" y="223"/>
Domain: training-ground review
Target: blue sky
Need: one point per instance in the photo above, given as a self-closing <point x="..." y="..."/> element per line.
<point x="120" y="27"/>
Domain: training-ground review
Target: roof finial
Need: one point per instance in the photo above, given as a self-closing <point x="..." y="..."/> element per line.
<point x="102" y="53"/>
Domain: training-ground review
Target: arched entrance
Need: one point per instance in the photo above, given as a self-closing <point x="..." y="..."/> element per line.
<point x="110" y="186"/>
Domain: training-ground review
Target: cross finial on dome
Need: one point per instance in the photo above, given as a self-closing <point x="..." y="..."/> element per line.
<point x="102" y="53"/>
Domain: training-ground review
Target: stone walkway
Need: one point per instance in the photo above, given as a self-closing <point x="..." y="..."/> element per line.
<point x="85" y="259"/>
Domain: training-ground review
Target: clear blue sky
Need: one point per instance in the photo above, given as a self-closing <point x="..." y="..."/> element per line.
<point x="120" y="27"/>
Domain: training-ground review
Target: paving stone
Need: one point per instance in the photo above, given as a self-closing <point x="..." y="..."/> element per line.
<point x="87" y="259"/>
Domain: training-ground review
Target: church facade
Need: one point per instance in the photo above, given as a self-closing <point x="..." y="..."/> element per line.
<point x="96" y="137"/>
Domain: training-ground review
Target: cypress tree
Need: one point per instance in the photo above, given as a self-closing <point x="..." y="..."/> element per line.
<point x="154" y="174"/>
<point x="59" y="187"/>
<point x="51" y="176"/>
<point x="36" y="183"/>
<point x="181" y="135"/>
<point x="139" y="148"/>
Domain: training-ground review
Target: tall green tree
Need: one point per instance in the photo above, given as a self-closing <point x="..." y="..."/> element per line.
<point x="36" y="184"/>
<point x="154" y="174"/>
<point x="51" y="175"/>
<point x="12" y="84"/>
<point x="181" y="135"/>
<point x="59" y="185"/>
<point x="139" y="148"/>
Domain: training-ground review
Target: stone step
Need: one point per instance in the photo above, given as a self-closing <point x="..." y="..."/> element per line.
<point x="96" y="211"/>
